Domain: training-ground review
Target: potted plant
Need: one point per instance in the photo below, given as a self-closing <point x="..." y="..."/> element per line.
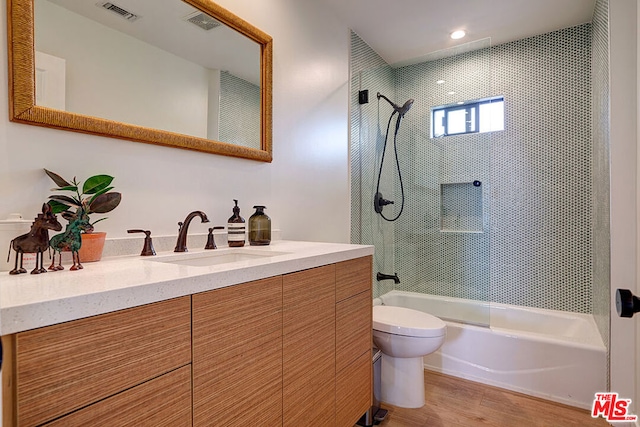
<point x="92" y="197"/>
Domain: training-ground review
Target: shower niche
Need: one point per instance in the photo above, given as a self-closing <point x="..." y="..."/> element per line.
<point x="461" y="207"/>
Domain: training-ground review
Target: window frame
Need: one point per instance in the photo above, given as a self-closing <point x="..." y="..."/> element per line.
<point x="468" y="106"/>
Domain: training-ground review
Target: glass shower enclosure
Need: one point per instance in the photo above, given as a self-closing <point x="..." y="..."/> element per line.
<point x="440" y="244"/>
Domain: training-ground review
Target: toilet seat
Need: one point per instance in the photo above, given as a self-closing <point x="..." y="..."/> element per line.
<point x="407" y="322"/>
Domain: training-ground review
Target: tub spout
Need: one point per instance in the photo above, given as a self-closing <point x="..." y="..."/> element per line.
<point x="382" y="276"/>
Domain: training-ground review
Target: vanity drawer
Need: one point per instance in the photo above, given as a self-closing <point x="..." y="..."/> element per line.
<point x="230" y="318"/>
<point x="353" y="277"/>
<point x="353" y="328"/>
<point x="161" y="402"/>
<point x="308" y="299"/>
<point x="64" y="367"/>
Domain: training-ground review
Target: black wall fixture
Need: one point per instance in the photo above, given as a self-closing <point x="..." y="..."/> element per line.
<point x="627" y="304"/>
<point x="363" y="97"/>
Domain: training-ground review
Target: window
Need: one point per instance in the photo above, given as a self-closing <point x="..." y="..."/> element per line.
<point x="483" y="115"/>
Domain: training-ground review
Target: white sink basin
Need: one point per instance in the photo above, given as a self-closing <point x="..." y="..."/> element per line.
<point x="216" y="257"/>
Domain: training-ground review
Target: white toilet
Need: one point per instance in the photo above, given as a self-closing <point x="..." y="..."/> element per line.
<point x="404" y="336"/>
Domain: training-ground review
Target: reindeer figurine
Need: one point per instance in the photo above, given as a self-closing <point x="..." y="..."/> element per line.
<point x="35" y="241"/>
<point x="70" y="240"/>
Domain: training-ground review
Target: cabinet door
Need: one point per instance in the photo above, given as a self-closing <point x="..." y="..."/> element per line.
<point x="309" y="347"/>
<point x="353" y="391"/>
<point x="65" y="367"/>
<point x="353" y="328"/>
<point x="353" y="358"/>
<point x="353" y="340"/>
<point x="237" y="355"/>
<point x="161" y="402"/>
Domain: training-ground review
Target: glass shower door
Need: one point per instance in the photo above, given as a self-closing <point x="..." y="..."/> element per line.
<point x="439" y="246"/>
<point x="368" y="134"/>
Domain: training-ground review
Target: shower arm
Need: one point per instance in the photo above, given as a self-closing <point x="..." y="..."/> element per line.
<point x="397" y="109"/>
<point x="393" y="104"/>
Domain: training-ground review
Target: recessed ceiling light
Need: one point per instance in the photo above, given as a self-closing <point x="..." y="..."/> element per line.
<point x="440" y="82"/>
<point x="451" y="93"/>
<point x="458" y="34"/>
<point x="460" y="102"/>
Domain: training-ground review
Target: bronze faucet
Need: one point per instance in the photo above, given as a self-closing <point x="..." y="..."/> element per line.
<point x="181" y="244"/>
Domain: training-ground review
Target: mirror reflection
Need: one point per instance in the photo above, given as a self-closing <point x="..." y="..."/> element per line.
<point x="161" y="64"/>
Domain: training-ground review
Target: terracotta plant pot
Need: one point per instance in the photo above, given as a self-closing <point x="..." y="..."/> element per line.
<point x="92" y="245"/>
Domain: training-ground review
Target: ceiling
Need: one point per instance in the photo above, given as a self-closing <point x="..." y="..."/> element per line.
<point x="405" y="32"/>
<point x="162" y="24"/>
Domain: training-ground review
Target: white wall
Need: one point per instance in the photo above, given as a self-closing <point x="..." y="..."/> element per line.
<point x="305" y="189"/>
<point x="637" y="292"/>
<point x="310" y="180"/>
<point x="624" y="219"/>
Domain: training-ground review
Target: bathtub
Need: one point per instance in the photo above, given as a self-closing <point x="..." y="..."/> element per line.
<point x="554" y="355"/>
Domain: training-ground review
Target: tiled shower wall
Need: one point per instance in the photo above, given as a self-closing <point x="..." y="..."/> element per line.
<point x="239" y="111"/>
<point x="369" y="71"/>
<point x="437" y="250"/>
<point x="541" y="249"/>
<point x="600" y="166"/>
<point x="540" y="178"/>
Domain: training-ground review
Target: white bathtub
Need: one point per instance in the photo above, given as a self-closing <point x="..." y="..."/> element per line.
<point x="550" y="354"/>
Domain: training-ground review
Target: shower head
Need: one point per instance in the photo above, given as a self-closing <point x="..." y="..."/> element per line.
<point x="400" y="110"/>
<point x="407" y="105"/>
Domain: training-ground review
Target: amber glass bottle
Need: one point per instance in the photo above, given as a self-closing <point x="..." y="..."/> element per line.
<point x="259" y="228"/>
<point x="236" y="228"/>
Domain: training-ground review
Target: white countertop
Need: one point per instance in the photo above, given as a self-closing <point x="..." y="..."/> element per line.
<point x="30" y="301"/>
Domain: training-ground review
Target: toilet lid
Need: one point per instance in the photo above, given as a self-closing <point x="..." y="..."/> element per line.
<point x="407" y="322"/>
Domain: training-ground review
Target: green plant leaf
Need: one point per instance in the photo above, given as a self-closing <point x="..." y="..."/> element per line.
<point x="57" y="207"/>
<point x="60" y="181"/>
<point x="105" y="203"/>
<point x="96" y="183"/>
<point x="66" y="200"/>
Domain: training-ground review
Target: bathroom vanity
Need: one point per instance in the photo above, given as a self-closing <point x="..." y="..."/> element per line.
<point x="275" y="336"/>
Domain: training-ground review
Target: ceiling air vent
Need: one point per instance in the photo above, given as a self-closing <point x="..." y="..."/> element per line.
<point x="129" y="16"/>
<point x="202" y="20"/>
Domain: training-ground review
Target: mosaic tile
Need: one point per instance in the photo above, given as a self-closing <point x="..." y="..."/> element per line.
<point x="239" y="111"/>
<point x="545" y="178"/>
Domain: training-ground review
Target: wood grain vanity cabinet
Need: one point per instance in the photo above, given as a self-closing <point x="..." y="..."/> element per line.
<point x="163" y="401"/>
<point x="309" y="346"/>
<point x="353" y="340"/>
<point x="327" y="344"/>
<point x="237" y="355"/>
<point x="55" y="370"/>
<point x="289" y="350"/>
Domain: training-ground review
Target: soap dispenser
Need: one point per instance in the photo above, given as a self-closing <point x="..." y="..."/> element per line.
<point x="259" y="228"/>
<point x="236" y="228"/>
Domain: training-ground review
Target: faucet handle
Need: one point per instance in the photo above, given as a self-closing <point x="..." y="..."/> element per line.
<point x="147" y="249"/>
<point x="211" y="243"/>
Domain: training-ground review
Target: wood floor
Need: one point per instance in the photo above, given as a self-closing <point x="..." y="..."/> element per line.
<point x="454" y="402"/>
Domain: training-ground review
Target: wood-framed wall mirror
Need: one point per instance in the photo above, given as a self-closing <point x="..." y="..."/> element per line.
<point x="179" y="73"/>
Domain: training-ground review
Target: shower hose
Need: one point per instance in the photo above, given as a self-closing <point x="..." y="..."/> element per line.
<point x="395" y="149"/>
